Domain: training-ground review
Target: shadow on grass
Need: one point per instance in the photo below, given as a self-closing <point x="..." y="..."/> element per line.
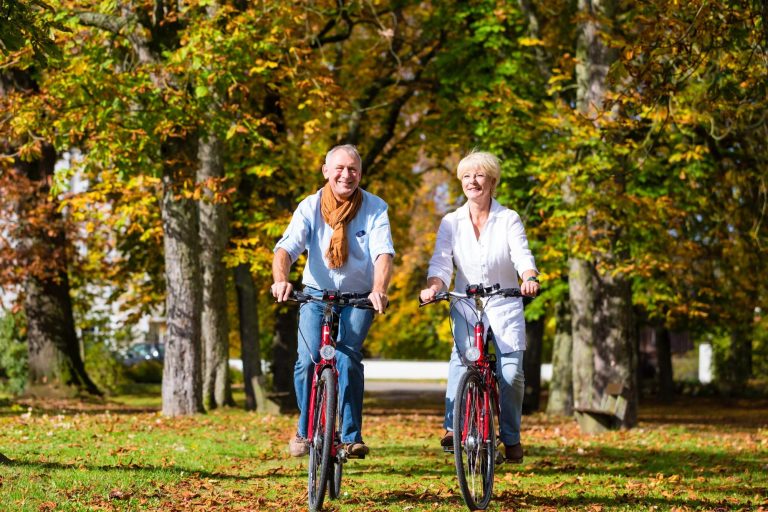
<point x="584" y="501"/>
<point x="611" y="462"/>
<point x="275" y="473"/>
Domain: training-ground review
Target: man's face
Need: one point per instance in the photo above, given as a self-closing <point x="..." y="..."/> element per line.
<point x="343" y="173"/>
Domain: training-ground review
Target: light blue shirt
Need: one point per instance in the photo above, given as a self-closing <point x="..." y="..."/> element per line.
<point x="368" y="236"/>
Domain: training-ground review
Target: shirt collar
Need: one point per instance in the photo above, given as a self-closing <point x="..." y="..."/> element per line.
<point x="463" y="211"/>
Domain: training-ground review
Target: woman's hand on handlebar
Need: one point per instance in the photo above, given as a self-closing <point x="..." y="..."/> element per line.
<point x="530" y="288"/>
<point x="281" y="290"/>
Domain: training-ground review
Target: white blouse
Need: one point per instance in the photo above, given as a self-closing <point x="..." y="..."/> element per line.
<point x="500" y="255"/>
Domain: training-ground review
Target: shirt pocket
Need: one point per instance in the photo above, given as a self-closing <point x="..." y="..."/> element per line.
<point x="358" y="242"/>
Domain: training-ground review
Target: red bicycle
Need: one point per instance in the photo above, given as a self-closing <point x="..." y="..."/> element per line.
<point x="477" y="402"/>
<point x="326" y="456"/>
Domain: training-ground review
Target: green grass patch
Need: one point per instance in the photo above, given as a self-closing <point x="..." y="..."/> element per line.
<point x="697" y="454"/>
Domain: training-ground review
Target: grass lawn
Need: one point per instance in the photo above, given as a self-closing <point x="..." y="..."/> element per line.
<point x="694" y="454"/>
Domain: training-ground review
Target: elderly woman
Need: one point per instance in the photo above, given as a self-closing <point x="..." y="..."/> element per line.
<point x="486" y="244"/>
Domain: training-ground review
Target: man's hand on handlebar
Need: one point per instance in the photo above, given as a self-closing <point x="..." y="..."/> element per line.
<point x="379" y="301"/>
<point x="281" y="290"/>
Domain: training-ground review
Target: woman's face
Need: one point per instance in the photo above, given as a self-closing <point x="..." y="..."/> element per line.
<point x="477" y="185"/>
<point x="343" y="173"/>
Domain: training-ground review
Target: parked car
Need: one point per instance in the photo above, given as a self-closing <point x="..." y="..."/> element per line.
<point x="141" y="352"/>
<point x="144" y="362"/>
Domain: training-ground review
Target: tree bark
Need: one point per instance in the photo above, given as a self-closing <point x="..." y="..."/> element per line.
<point x="534" y="334"/>
<point x="255" y="392"/>
<point x="214" y="235"/>
<point x="664" y="355"/>
<point x="284" y="350"/>
<point x="561" y="386"/>
<point x="182" y="386"/>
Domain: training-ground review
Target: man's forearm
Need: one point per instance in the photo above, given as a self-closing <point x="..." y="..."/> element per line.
<point x="281" y="266"/>
<point x="382" y="273"/>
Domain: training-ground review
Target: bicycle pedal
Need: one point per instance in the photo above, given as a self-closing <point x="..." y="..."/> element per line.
<point x="499" y="452"/>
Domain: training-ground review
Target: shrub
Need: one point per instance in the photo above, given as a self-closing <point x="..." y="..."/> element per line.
<point x="13" y="353"/>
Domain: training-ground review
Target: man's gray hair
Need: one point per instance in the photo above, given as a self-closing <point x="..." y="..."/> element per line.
<point x="349" y="148"/>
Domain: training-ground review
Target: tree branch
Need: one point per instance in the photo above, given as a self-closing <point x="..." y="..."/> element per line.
<point x="121" y="25"/>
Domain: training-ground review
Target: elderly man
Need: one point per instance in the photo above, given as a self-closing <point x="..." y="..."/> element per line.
<point x="345" y="231"/>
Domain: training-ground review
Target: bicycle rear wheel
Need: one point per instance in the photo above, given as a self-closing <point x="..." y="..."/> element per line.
<point x="474" y="436"/>
<point x="322" y="439"/>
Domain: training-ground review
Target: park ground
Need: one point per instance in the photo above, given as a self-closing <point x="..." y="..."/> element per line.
<point x="695" y="453"/>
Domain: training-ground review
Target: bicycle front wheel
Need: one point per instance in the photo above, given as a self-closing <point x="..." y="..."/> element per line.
<point x="322" y="438"/>
<point x="474" y="436"/>
<point x="334" y="479"/>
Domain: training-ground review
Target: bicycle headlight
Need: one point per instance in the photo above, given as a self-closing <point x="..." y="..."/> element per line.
<point x="327" y="351"/>
<point x="472" y="354"/>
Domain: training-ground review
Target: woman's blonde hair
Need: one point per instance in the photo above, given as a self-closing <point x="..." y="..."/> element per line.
<point x="483" y="161"/>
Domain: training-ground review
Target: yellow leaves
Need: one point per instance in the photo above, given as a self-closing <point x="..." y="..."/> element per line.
<point x="530" y="41"/>
<point x="261" y="65"/>
<point x="311" y="126"/>
<point x="695" y="153"/>
<point x="261" y="170"/>
<point x="235" y="129"/>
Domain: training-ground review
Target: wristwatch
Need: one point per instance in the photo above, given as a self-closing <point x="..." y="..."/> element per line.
<point x="533" y="278"/>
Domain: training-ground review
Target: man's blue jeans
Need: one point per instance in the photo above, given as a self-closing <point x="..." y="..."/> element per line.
<point x="509" y="370"/>
<point x="353" y="328"/>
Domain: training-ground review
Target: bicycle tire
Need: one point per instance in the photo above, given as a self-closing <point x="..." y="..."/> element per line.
<point x="334" y="474"/>
<point x="334" y="479"/>
<point x="322" y="441"/>
<point x="474" y="453"/>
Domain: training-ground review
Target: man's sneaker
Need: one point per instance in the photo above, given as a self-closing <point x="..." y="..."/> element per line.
<point x="447" y="442"/>
<point x="298" y="446"/>
<point x="359" y="450"/>
<point x="514" y="453"/>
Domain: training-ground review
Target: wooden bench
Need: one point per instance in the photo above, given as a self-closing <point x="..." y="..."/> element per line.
<point x="604" y="414"/>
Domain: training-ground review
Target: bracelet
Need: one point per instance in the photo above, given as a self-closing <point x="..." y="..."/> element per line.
<point x="533" y="278"/>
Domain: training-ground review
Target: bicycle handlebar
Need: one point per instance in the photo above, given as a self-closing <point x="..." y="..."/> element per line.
<point x="475" y="290"/>
<point x="356" y="300"/>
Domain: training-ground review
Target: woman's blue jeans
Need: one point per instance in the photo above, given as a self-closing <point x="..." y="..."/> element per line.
<point x="509" y="370"/>
<point x="353" y="328"/>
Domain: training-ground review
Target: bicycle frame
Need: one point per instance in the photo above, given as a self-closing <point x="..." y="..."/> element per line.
<point x="324" y="419"/>
<point x="485" y="366"/>
<point x="477" y="403"/>
<point x="326" y="339"/>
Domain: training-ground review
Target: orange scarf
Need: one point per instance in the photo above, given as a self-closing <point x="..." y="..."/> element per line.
<point x="338" y="214"/>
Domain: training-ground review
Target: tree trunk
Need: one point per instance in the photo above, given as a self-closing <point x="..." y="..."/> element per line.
<point x="214" y="229"/>
<point x="182" y="386"/>
<point x="561" y="386"/>
<point x="664" y="356"/>
<point x="534" y="334"/>
<point x="255" y="392"/>
<point x="603" y="349"/>
<point x="615" y="359"/>
<point x="284" y="353"/>
<point x="582" y="299"/>
<point x="55" y="361"/>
